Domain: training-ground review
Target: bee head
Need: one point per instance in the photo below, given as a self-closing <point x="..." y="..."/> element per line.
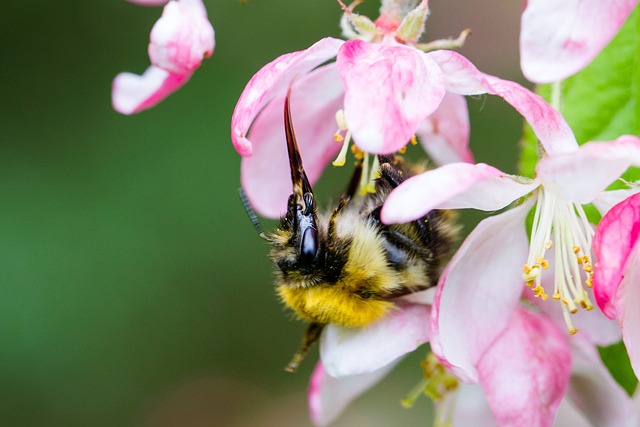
<point x="301" y="208"/>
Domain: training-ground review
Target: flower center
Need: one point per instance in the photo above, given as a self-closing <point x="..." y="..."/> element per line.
<point x="439" y="385"/>
<point x="573" y="270"/>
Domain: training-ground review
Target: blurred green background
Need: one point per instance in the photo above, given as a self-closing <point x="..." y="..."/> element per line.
<point x="134" y="289"/>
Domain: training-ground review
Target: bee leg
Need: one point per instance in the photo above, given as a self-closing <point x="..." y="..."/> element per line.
<point x="310" y="337"/>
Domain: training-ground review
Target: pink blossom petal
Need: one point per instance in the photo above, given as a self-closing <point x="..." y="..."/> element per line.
<point x="265" y="176"/>
<point x="471" y="407"/>
<point x="479" y="291"/>
<point x="462" y="77"/>
<point x="594" y="391"/>
<point x="329" y="397"/>
<point x="558" y="39"/>
<point x="614" y="246"/>
<point x="628" y="313"/>
<point x="354" y="351"/>
<point x="605" y="200"/>
<point x="525" y="372"/>
<point x="182" y="37"/>
<point x="453" y="186"/>
<point x="132" y="94"/>
<point x="445" y="133"/>
<point x="570" y="416"/>
<point x="273" y="80"/>
<point x="408" y="87"/>
<point x="579" y="176"/>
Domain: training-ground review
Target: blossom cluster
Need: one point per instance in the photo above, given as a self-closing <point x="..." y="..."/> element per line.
<point x="519" y="312"/>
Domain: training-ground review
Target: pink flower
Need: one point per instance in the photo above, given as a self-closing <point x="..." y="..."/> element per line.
<point x="559" y="38"/>
<point x="180" y="39"/>
<point x="526" y="373"/>
<point x="415" y="92"/>
<point x="617" y="269"/>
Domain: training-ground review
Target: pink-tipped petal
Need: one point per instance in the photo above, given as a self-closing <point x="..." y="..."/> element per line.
<point x="329" y="397"/>
<point x="132" y="93"/>
<point x="462" y="77"/>
<point x="272" y="80"/>
<point x="182" y="37"/>
<point x="579" y="176"/>
<point x="354" y="351"/>
<point x="445" y="134"/>
<point x="525" y="372"/>
<point x="594" y="391"/>
<point x="628" y="313"/>
<point x="408" y="87"/>
<point x="453" y="186"/>
<point x="479" y="291"/>
<point x="265" y="176"/>
<point x="558" y="39"/>
<point x="614" y="246"/>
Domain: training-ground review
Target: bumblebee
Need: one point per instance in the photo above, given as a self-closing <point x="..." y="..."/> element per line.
<point x="345" y="266"/>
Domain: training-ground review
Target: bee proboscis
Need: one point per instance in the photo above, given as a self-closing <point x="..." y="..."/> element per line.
<point x="345" y="266"/>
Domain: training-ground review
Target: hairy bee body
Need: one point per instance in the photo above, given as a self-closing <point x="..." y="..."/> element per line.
<point x="346" y="267"/>
<point x="354" y="282"/>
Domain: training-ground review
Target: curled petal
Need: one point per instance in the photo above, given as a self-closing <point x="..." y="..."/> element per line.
<point x="579" y="176"/>
<point x="354" y="351"/>
<point x="328" y="396"/>
<point x="594" y="392"/>
<point x="408" y="87"/>
<point x="182" y="37"/>
<point x="462" y="77"/>
<point x="273" y="79"/>
<point x="614" y="246"/>
<point x="558" y="39"/>
<point x="265" y="176"/>
<point x="484" y="282"/>
<point x="525" y="372"/>
<point x="453" y="186"/>
<point x="131" y="93"/>
<point x="445" y="133"/>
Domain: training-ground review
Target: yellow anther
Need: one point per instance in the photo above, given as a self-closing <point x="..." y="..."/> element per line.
<point x="538" y="291"/>
<point x="548" y="245"/>
<point x="587" y="268"/>
<point x="542" y="262"/>
<point x="556" y="296"/>
<point x="573" y="331"/>
<point x="337" y="137"/>
<point x="526" y="269"/>
<point x="402" y="150"/>
<point x="576" y="249"/>
<point x="531" y="274"/>
<point x="357" y="153"/>
<point x="589" y="281"/>
<point x="414" y="140"/>
<point x="565" y="301"/>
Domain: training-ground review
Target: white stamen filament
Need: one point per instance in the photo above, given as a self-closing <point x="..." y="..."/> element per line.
<point x="573" y="235"/>
<point x="342" y="155"/>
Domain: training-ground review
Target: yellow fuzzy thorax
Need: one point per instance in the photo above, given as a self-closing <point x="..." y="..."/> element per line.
<point x="351" y="301"/>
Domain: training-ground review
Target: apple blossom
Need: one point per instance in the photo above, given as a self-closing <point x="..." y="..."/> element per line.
<point x="559" y="38"/>
<point x="417" y="93"/>
<point x="615" y="280"/>
<point x="179" y="41"/>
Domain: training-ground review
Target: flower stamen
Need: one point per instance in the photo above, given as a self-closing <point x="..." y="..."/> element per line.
<point x="572" y="234"/>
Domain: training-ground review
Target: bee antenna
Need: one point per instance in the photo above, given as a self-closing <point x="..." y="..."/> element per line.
<point x="251" y="213"/>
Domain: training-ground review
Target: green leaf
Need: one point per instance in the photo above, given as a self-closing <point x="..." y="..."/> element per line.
<point x="616" y="359"/>
<point x="601" y="102"/>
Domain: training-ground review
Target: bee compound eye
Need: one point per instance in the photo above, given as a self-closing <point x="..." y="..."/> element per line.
<point x="308" y="246"/>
